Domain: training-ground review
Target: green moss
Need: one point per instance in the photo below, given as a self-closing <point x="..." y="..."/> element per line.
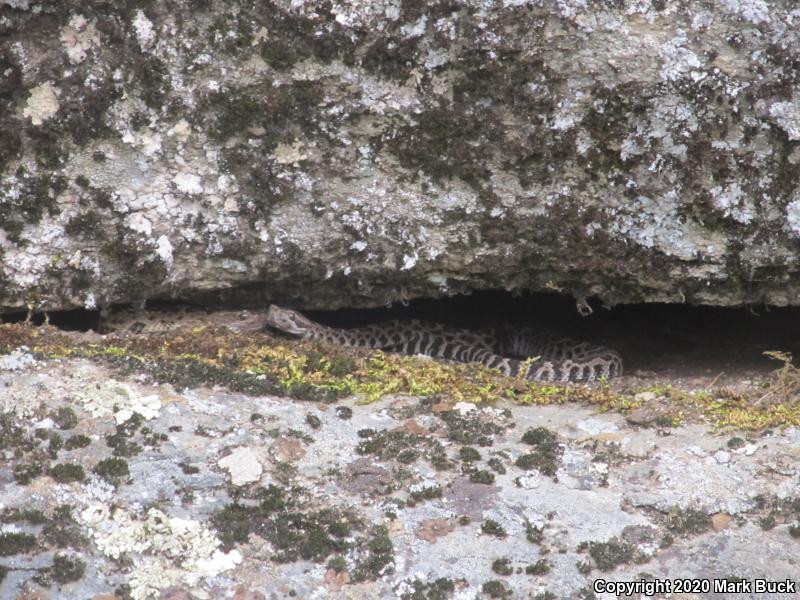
<point x="188" y="469"/>
<point x="493" y="528"/>
<point x="16" y="543"/>
<point x="427" y="493"/>
<point x="534" y="534"/>
<point x="120" y="440"/>
<point x="65" y="418"/>
<point x="77" y="441"/>
<point x="735" y="443"/>
<point x="687" y="521"/>
<point x="402" y="446"/>
<point x="794" y="530"/>
<point x="55" y="443"/>
<point x="469" y="428"/>
<point x="609" y="555"/>
<point x="468" y="454"/>
<point x="496" y="589"/>
<point x="67" y="568"/>
<point x="502" y="566"/>
<point x="768" y="521"/>
<point x="62" y="531"/>
<point x="3" y="572"/>
<point x="540" y="567"/>
<point x="496" y="465"/>
<point x="482" y="476"/>
<point x="440" y="589"/>
<point x="379" y="555"/>
<point x="24" y="473"/>
<point x="546" y="455"/>
<point x="112" y="469"/>
<point x="15" y="515"/>
<point x="344" y="412"/>
<point x="67" y="473"/>
<point x="153" y="438"/>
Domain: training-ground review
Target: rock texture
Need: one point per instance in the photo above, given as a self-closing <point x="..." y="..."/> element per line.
<point x="349" y="152"/>
<point x="115" y="487"/>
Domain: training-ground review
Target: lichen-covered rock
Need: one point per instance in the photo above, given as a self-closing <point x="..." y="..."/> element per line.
<point x="353" y="152"/>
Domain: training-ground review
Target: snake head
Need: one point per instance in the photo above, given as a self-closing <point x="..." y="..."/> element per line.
<point x="289" y="321"/>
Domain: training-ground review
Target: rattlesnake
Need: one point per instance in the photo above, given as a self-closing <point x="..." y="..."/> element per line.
<point x="515" y="351"/>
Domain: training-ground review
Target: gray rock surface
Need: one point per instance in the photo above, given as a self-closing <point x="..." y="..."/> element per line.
<point x="349" y="152"/>
<point x="252" y="497"/>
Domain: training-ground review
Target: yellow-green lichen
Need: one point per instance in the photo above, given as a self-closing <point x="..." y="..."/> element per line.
<point x="264" y="364"/>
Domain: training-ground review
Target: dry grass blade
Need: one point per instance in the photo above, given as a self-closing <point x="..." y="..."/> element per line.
<point x="785" y="381"/>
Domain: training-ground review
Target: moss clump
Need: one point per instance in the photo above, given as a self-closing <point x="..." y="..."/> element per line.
<point x="14" y="437"/>
<point x="77" y="441"/>
<point x="493" y="528"/>
<point x="344" y="412"/>
<point x="735" y="443"/>
<point x="469" y="454"/>
<point x="540" y="567"/>
<point x="534" y="534"/>
<point x="482" y="476"/>
<point x="609" y="555"/>
<point x="338" y="564"/>
<point x="502" y="566"/>
<point x="65" y="418"/>
<point x="278" y="515"/>
<point x="120" y="440"/>
<point x="379" y="555"/>
<point x="687" y="521"/>
<point x="768" y="521"/>
<point x="67" y="568"/>
<point x="427" y="493"/>
<point x="402" y="446"/>
<point x="62" y="531"/>
<point x="112" y="469"/>
<point x="67" y="473"/>
<point x="16" y="543"/>
<point x="15" y="515"/>
<point x="440" y="589"/>
<point x="469" y="428"/>
<point x="496" y="465"/>
<point x="24" y="473"/>
<point x="546" y="455"/>
<point x="188" y="469"/>
<point x="496" y="589"/>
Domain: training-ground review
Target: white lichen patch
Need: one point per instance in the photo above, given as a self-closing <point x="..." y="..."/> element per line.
<point x="145" y="33"/>
<point x="165" y="551"/>
<point x="42" y="103"/>
<point x="164" y="250"/>
<point x="19" y="359"/>
<point x="787" y="116"/>
<point x="242" y="465"/>
<point x="289" y="154"/>
<point x="793" y="216"/>
<point x="677" y="60"/>
<point x="188" y="183"/>
<point x="733" y="202"/>
<point x="120" y="400"/>
<point x="79" y="36"/>
<point x="754" y="11"/>
<point x="650" y="223"/>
